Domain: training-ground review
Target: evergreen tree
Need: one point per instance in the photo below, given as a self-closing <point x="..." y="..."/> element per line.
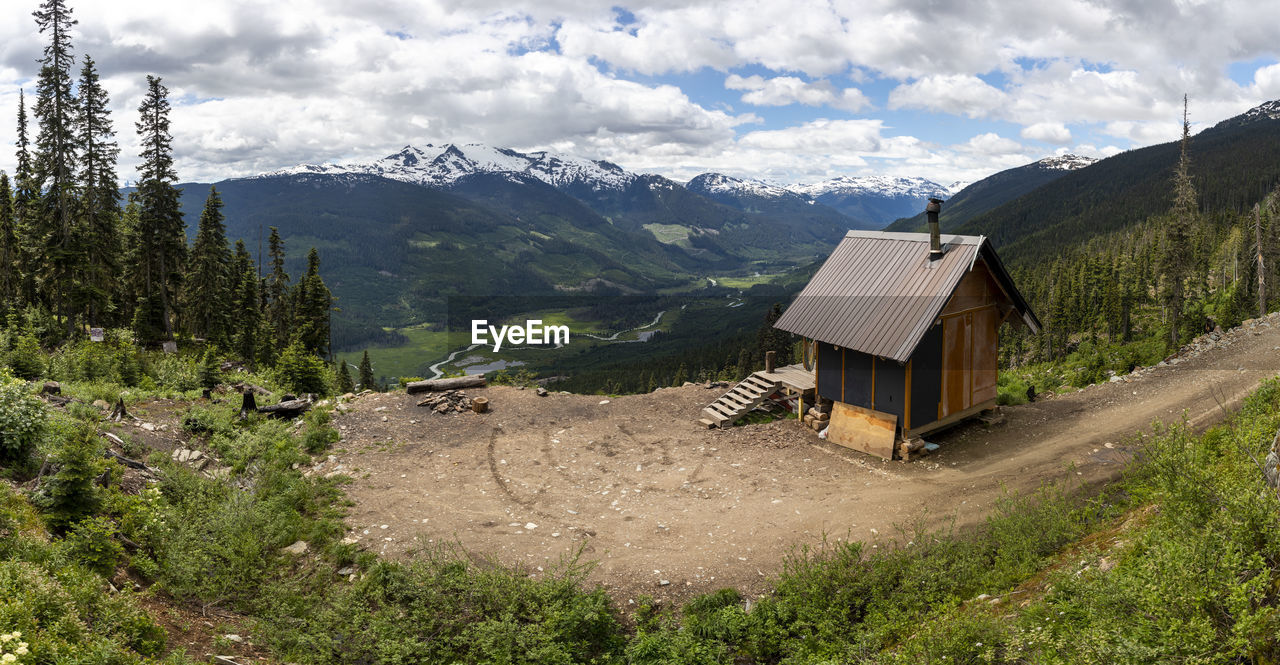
<point x="100" y="240"/>
<point x="25" y="196"/>
<point x="207" y="294"/>
<point x="1174" y="263"/>
<point x="367" y="382"/>
<point x="55" y="156"/>
<point x="210" y="370"/>
<point x="311" y="308"/>
<point x="300" y="370"/>
<point x="8" y="248"/>
<point x="247" y="314"/>
<point x="161" y="231"/>
<point x="682" y="375"/>
<point x="71" y="494"/>
<point x="345" y="384"/>
<point x="241" y="264"/>
<point x="276" y="291"/>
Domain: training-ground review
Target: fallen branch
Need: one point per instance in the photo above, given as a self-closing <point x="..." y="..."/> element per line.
<point x="287" y="409"/>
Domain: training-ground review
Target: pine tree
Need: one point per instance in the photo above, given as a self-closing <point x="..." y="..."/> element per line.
<point x="8" y="248"/>
<point x="210" y="372"/>
<point x="25" y="196"/>
<point x="311" y="308"/>
<point x="247" y="315"/>
<point x="55" y="156"/>
<point x="367" y="381"/>
<point x="682" y="375"/>
<point x="277" y="306"/>
<point x="345" y="384"/>
<point x="1174" y="263"/>
<point x="207" y="295"/>
<point x="100" y="238"/>
<point x="161" y="232"/>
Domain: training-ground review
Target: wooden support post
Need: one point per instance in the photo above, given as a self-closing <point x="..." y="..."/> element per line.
<point x="770" y="360"/>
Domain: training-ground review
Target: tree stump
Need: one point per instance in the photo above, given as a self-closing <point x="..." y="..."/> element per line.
<point x="480" y="404"/>
<point x="248" y="405"/>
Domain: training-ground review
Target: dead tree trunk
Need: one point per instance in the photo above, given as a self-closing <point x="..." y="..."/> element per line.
<point x="476" y="381"/>
<point x="287" y="409"/>
<point x="1262" y="285"/>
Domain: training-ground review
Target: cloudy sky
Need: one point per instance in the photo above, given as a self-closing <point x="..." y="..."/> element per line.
<point x="790" y="91"/>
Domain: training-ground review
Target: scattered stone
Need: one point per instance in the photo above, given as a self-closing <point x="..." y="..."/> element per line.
<point x="542" y="392"/>
<point x="664" y="582"/>
<point x="149" y="427"/>
<point x="101" y="404"/>
<point x="232" y="637"/>
<point x="346" y="570"/>
<point x="449" y="401"/>
<point x="299" y="548"/>
<point x="51" y="388"/>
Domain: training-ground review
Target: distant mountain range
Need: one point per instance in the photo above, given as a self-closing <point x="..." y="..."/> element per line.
<point x="992" y="191"/>
<point x="870" y="202"/>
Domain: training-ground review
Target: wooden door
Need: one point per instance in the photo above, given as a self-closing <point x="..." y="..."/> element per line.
<point x="957" y="331"/>
<point x="969" y="359"/>
<point x="984" y="355"/>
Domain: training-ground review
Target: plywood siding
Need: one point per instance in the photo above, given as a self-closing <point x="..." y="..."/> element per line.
<point x="868" y="431"/>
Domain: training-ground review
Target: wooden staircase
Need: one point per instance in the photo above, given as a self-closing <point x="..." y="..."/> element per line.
<point x="741" y="399"/>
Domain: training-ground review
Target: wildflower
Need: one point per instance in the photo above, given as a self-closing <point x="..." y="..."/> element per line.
<point x="8" y="658"/>
<point x="22" y="649"/>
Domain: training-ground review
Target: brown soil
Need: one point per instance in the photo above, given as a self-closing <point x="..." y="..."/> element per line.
<point x="670" y="509"/>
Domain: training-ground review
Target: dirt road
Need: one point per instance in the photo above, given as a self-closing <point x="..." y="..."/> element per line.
<point x="670" y="509"/>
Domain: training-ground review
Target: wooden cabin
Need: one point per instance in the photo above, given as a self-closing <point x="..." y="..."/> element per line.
<point x="904" y="331"/>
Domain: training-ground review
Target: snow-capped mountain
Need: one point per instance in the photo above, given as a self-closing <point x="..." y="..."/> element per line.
<point x="876" y="185"/>
<point x="1066" y="162"/>
<point x="721" y="184"/>
<point x="443" y="165"/>
<point x="1262" y="112"/>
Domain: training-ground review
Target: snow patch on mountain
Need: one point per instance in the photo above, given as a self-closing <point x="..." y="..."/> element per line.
<point x="719" y="183"/>
<point x="443" y="165"/>
<point x="1066" y="162"/>
<point x="879" y="185"/>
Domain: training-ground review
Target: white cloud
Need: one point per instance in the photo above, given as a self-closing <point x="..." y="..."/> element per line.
<point x="991" y="143"/>
<point x="954" y="93"/>
<point x="1049" y="132"/>
<point x="785" y="90"/>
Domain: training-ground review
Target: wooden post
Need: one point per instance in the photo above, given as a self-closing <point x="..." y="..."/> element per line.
<point x="770" y="360"/>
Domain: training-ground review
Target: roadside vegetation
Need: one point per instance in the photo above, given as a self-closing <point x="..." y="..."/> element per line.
<point x="1177" y="561"/>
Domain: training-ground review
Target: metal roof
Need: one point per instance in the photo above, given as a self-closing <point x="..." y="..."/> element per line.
<point x="879" y="293"/>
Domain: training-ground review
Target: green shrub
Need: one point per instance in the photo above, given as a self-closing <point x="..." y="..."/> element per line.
<point x="23" y="420"/>
<point x="318" y="435"/>
<point x="92" y="542"/>
<point x="71" y="495"/>
<point x="210" y="372"/>
<point x="301" y="371"/>
<point x="173" y="372"/>
<point x="26" y="360"/>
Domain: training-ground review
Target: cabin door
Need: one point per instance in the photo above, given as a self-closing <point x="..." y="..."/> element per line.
<point x="969" y="359"/>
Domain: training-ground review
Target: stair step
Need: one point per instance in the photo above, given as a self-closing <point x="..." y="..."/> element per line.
<point x="727" y="412"/>
<point x="735" y="399"/>
<point x="714" y="415"/>
<point x="760" y="385"/>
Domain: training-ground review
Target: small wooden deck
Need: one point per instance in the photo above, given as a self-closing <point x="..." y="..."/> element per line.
<point x="791" y="376"/>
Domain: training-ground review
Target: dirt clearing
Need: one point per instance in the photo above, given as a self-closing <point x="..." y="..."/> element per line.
<point x="669" y="509"/>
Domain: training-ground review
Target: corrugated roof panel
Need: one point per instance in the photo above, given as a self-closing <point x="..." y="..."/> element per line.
<point x="879" y="292"/>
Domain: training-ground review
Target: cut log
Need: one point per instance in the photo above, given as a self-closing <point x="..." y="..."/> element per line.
<point x="480" y="404"/>
<point x="474" y="381"/>
<point x="288" y="409"/>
